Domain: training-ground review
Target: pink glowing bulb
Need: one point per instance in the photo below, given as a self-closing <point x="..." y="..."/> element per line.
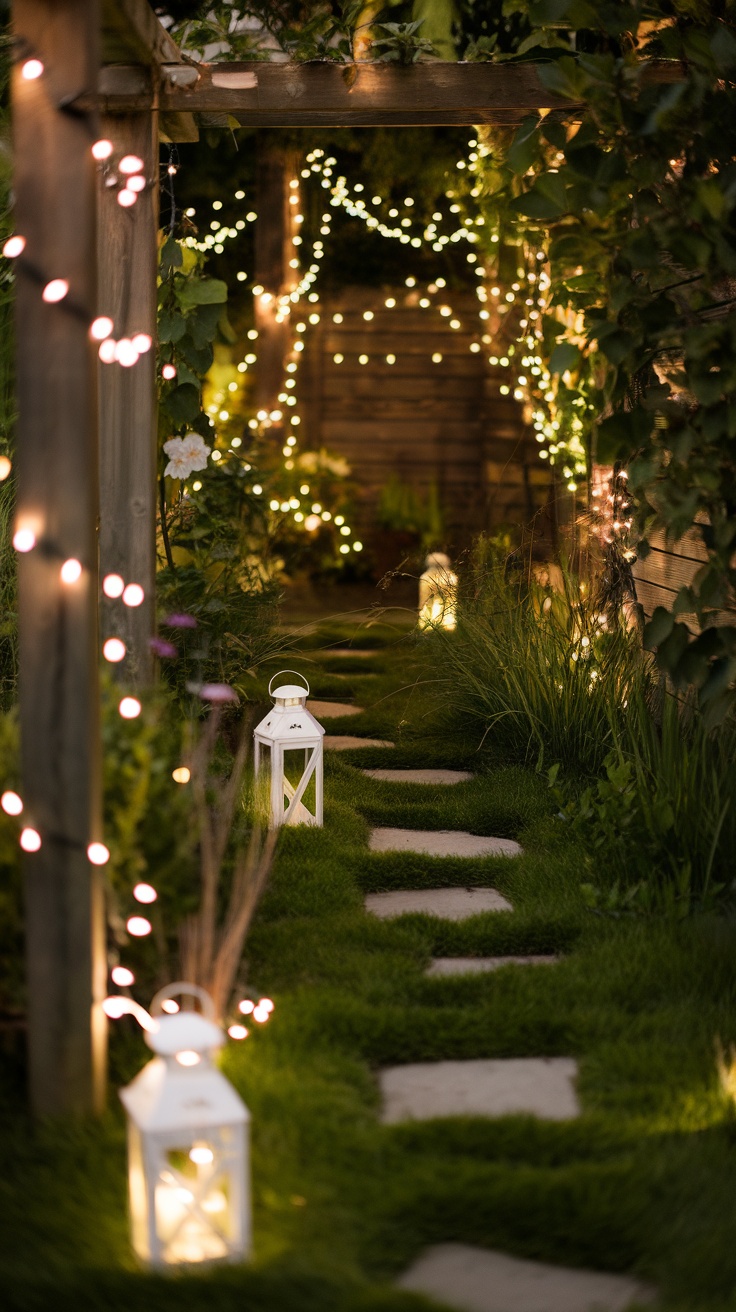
<point x="144" y="893"/>
<point x="237" y="1032"/>
<point x="138" y="926"/>
<point x="129" y="708"/>
<point x="14" y="247"/>
<point x="168" y="372"/>
<point x="30" y="840"/>
<point x="55" y="290"/>
<point x="98" y="854"/>
<point x="101" y="328"/>
<point x="125" y="353"/>
<point x="32" y="69"/>
<point x="122" y="976"/>
<point x="11" y="803"/>
<point x="113" y="585"/>
<point x="133" y="595"/>
<point x="114" y="650"/>
<point x="137" y="182"/>
<point x="102" y="149"/>
<point x="131" y="164"/>
<point x="24" y="539"/>
<point x="107" y="350"/>
<point x="142" y="343"/>
<point x="126" y="198"/>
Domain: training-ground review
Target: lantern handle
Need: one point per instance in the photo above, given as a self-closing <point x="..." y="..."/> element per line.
<point x="181" y="986"/>
<point x="278" y="676"/>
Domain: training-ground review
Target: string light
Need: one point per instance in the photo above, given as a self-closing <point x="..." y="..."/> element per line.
<point x="5" y="468"/>
<point x="98" y="854"/>
<point x="11" y="803"/>
<point x="24" y="539"/>
<point x="101" y="328"/>
<point x="133" y="595"/>
<point x="144" y="893"/>
<point x="71" y="571"/>
<point x="55" y="290"/>
<point x="14" y="247"/>
<point x="121" y="976"/>
<point x="113" y="585"/>
<point x="30" y="840"/>
<point x="102" y="149"/>
<point x="114" y="650"/>
<point x="131" y="164"/>
<point x="181" y="775"/>
<point x="138" y="926"/>
<point x="32" y="69"/>
<point x="129" y="708"/>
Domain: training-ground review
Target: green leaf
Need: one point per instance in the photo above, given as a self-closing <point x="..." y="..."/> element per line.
<point x="658" y="629"/>
<point x="201" y="291"/>
<point x="171" y="256"/>
<point x="183" y="403"/>
<point x="565" y="356"/>
<point x="171" y="326"/>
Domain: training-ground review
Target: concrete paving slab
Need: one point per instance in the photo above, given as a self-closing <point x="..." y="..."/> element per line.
<point x="531" y="1086"/>
<point x="332" y="710"/>
<point x="482" y="1280"/>
<point x="342" y="742"/>
<point x="441" y="842"/>
<point x="420" y="776"/>
<point x="480" y="965"/>
<point x="447" y="903"/>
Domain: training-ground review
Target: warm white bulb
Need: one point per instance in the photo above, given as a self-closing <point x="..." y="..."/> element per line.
<point x="188" y="1058"/>
<point x="137" y="182"/>
<point x="133" y="595"/>
<point x="30" y="840"/>
<point x="131" y="164"/>
<point x="5" y="468"/>
<point x="168" y="372"/>
<point x="126" y="353"/>
<point x="113" y="585"/>
<point x="114" y="650"/>
<point x="102" y="149"/>
<point x="181" y="775"/>
<point x="121" y="976"/>
<point x="144" y="893"/>
<point x="129" y="708"/>
<point x="101" y="328"/>
<point x="14" y="247"/>
<point x="138" y="926"/>
<point x="126" y="198"/>
<point x="11" y="803"/>
<point x="246" y="1007"/>
<point x="235" y="1032"/>
<point x="31" y="69"/>
<point x="142" y="343"/>
<point x="98" y="854"/>
<point x="71" y="571"/>
<point x="55" y="290"/>
<point x="108" y="350"/>
<point x="24" y="539"/>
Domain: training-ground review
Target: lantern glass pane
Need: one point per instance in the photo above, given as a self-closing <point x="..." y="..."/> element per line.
<point x="195" y="1221"/>
<point x="297" y="761"/>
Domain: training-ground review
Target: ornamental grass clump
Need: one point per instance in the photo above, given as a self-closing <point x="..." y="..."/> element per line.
<point x="548" y="672"/>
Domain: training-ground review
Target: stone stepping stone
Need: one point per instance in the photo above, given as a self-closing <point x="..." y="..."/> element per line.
<point x="481" y="1280"/>
<point x="526" y="1086"/>
<point x="420" y="776"/>
<point x="332" y="710"/>
<point x="441" y="842"/>
<point x="447" y="903"/>
<point x="351" y="651"/>
<point x="480" y="965"/>
<point x="346" y="742"/>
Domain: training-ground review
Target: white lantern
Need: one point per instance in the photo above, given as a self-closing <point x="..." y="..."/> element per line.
<point x="438" y="593"/>
<point x="287" y="729"/>
<point x="187" y="1143"/>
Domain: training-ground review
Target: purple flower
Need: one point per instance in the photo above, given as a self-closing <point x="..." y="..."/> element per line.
<point x="218" y="692"/>
<point x="160" y="647"/>
<point x="178" y="621"/>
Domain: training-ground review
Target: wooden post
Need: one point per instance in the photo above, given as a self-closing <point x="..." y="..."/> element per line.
<point x="57" y="499"/>
<point x="127" y="247"/>
<point x="273" y="249"/>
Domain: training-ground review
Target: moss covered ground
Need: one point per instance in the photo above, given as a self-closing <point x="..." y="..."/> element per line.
<point x="643" y="1181"/>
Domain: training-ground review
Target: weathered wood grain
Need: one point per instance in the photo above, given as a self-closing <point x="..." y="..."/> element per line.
<point x="55" y="208"/>
<point x="127" y="262"/>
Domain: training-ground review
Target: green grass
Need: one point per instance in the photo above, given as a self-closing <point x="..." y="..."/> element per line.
<point x="643" y="1181"/>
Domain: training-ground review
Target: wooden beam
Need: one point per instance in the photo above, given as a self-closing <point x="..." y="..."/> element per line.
<point x="132" y="34"/>
<point x="364" y="95"/>
<point x="127" y="263"/>
<point x="284" y="94"/>
<point x="55" y="208"/>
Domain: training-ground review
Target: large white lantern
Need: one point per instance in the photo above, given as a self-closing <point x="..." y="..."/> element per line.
<point x="289" y="740"/>
<point x="187" y="1143"/>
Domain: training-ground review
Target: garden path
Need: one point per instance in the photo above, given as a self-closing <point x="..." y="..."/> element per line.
<point x="465" y="1277"/>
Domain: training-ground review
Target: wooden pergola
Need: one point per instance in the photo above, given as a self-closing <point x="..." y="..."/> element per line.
<point x="86" y="466"/>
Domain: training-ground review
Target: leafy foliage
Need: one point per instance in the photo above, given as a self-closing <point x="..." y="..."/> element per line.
<point x="400" y="43"/>
<point x="635" y="202"/>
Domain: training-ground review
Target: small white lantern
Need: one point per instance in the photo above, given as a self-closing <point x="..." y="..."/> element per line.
<point x="438" y="593"/>
<point x="188" y="1164"/>
<point x="289" y="727"/>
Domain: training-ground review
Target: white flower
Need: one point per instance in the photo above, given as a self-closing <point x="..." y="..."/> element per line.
<point x="185" y="455"/>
